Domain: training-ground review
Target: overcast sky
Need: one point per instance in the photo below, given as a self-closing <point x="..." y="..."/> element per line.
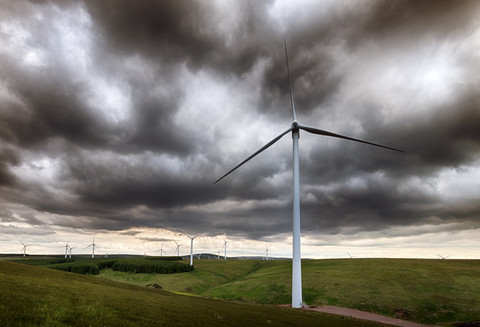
<point x="116" y="117"/>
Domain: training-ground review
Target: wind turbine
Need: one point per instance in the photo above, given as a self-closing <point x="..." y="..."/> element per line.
<point x="225" y="247"/>
<point x="66" y="249"/>
<point x="70" y="252"/>
<point x="349" y="255"/>
<point x="191" y="245"/>
<point x="24" y="250"/>
<point x="161" y="251"/>
<point x="93" y="247"/>
<point x="266" y="251"/>
<point x="178" y="248"/>
<point x="442" y="257"/>
<point x="295" y="128"/>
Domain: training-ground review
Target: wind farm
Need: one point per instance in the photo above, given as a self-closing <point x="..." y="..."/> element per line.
<point x="245" y="162"/>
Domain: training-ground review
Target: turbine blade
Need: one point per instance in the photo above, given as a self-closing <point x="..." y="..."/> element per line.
<point x="266" y="146"/>
<point x="184" y="233"/>
<point x="294" y="114"/>
<point x="326" y="133"/>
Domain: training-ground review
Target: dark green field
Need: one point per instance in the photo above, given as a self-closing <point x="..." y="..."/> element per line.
<point x="428" y="291"/>
<point x="36" y="296"/>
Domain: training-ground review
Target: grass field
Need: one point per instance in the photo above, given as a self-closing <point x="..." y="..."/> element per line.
<point x="36" y="296"/>
<point x="428" y="291"/>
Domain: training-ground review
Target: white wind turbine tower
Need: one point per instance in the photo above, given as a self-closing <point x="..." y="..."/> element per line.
<point x="93" y="247"/>
<point x="266" y="251"/>
<point x="191" y="245"/>
<point x="295" y="128"/>
<point x="70" y="252"/>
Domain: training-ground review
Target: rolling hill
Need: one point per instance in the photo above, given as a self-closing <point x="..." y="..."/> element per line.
<point x="36" y="296"/>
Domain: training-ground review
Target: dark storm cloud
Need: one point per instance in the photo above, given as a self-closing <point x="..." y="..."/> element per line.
<point x="150" y="168"/>
<point x="7" y="158"/>
<point x="183" y="31"/>
<point x="51" y="106"/>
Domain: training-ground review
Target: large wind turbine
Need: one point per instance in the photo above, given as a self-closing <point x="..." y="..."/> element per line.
<point x="191" y="245"/>
<point x="295" y="128"/>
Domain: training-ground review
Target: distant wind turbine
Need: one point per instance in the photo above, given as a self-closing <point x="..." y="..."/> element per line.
<point x="178" y="248"/>
<point x="266" y="252"/>
<point x="161" y="251"/>
<point x="70" y="252"/>
<point x="295" y="128"/>
<point x="442" y="257"/>
<point x="349" y="255"/>
<point x="66" y="249"/>
<point x="225" y="246"/>
<point x="191" y="245"/>
<point x="93" y="247"/>
<point x="24" y="250"/>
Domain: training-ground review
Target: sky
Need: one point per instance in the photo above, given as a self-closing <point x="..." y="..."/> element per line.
<point x="116" y="117"/>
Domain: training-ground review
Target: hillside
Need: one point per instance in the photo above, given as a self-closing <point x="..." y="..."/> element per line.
<point x="36" y="296"/>
<point x="428" y="291"/>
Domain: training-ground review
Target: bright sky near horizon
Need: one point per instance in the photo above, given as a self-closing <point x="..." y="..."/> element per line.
<point x="116" y="117"/>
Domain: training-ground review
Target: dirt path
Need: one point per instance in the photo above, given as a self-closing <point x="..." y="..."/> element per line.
<point x="365" y="316"/>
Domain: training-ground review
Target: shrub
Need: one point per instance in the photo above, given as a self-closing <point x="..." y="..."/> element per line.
<point x="147" y="266"/>
<point x="84" y="268"/>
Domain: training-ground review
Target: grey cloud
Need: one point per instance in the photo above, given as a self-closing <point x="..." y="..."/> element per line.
<point x="155" y="239"/>
<point x="149" y="170"/>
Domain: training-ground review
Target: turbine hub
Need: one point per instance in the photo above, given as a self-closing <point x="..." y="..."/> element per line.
<point x="295" y="124"/>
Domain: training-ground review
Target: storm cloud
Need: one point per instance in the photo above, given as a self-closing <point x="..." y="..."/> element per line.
<point x="116" y="115"/>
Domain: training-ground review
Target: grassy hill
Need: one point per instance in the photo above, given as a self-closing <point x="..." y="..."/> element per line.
<point x="36" y="296"/>
<point x="428" y="291"/>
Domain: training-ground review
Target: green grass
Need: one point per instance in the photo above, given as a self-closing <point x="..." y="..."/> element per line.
<point x="428" y="291"/>
<point x="36" y="296"/>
